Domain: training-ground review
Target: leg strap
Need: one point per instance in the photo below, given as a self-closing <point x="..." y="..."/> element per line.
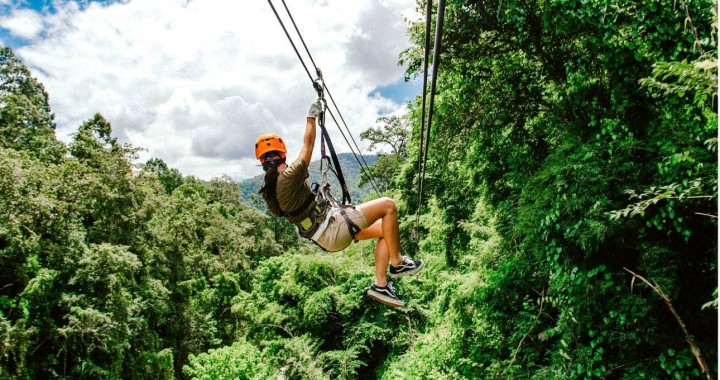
<point x="352" y="227"/>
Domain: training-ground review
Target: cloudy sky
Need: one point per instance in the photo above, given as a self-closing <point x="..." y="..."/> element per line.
<point x="194" y="82"/>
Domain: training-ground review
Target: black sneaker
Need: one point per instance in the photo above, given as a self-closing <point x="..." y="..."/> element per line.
<point x="385" y="294"/>
<point x="407" y="267"/>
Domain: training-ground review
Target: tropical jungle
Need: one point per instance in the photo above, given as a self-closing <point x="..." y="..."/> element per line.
<point x="567" y="221"/>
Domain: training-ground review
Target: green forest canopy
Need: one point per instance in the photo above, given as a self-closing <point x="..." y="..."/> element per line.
<point x="574" y="140"/>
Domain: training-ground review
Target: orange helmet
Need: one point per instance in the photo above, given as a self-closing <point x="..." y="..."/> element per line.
<point x="269" y="142"/>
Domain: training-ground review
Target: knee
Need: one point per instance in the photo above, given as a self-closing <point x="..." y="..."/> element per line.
<point x="389" y="205"/>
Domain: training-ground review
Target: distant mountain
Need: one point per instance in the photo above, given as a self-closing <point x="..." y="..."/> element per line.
<point x="351" y="171"/>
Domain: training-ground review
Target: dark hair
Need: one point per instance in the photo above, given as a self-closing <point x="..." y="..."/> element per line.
<point x="268" y="189"/>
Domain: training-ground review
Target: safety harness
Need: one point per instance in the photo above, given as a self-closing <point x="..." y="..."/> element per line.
<point x="326" y="207"/>
<point x="320" y="87"/>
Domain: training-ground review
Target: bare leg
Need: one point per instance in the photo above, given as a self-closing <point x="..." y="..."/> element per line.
<point x="381" y="262"/>
<point x="381" y="215"/>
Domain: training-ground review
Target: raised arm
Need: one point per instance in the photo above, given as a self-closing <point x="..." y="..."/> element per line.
<point x="308" y="141"/>
<point x="309" y="138"/>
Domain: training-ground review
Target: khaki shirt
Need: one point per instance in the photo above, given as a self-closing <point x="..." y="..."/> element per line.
<point x="293" y="189"/>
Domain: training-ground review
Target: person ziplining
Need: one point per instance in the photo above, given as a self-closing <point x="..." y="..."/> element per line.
<point x="319" y="217"/>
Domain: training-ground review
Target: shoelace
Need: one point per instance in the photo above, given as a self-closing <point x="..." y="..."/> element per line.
<point x="390" y="287"/>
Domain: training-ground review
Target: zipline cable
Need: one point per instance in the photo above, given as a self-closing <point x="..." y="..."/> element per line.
<point x="302" y="61"/>
<point x="338" y="169"/>
<point x="436" y="67"/>
<point x="291" y="41"/>
<point x="299" y="35"/>
<point x="327" y="90"/>
<point x="428" y="24"/>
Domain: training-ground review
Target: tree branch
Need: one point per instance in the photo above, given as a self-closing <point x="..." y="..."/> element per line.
<point x="693" y="347"/>
<point x="537" y="318"/>
<point x="688" y="20"/>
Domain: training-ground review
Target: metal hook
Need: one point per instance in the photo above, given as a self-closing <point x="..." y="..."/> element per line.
<point x="325" y="167"/>
<point x="319" y="84"/>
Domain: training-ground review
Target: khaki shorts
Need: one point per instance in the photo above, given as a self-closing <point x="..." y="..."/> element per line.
<point x="337" y="235"/>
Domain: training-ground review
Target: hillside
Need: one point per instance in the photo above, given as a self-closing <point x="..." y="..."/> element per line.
<point x="351" y="171"/>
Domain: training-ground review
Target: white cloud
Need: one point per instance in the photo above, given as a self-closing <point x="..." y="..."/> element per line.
<point x="23" y="23"/>
<point x="195" y="82"/>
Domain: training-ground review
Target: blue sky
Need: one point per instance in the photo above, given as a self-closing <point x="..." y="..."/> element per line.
<point x="401" y="91"/>
<point x="195" y="82"/>
<point x="7" y="7"/>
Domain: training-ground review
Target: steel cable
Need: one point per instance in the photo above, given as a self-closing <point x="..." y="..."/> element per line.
<point x="363" y="165"/>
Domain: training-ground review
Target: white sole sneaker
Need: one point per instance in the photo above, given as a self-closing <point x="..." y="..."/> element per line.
<point x="407" y="273"/>
<point x="382" y="298"/>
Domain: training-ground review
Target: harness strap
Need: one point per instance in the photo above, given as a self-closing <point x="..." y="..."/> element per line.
<point x="325" y="138"/>
<point x="336" y="162"/>
<point x="352" y="227"/>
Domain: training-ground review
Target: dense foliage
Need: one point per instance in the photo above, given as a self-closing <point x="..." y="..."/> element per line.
<point x="110" y="272"/>
<point x="587" y="130"/>
<point x="573" y="139"/>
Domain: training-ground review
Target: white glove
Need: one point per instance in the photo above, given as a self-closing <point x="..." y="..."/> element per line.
<point x="315" y="109"/>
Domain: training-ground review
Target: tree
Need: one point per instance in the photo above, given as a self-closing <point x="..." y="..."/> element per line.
<point x="106" y="178"/>
<point x="170" y="178"/>
<point x="393" y="132"/>
<point x="26" y="122"/>
<point x="542" y="117"/>
<point x="240" y="361"/>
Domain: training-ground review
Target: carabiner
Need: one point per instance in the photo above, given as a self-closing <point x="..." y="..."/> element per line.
<point x="319" y="84"/>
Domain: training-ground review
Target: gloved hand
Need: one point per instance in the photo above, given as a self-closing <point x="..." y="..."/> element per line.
<point x="315" y="109"/>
